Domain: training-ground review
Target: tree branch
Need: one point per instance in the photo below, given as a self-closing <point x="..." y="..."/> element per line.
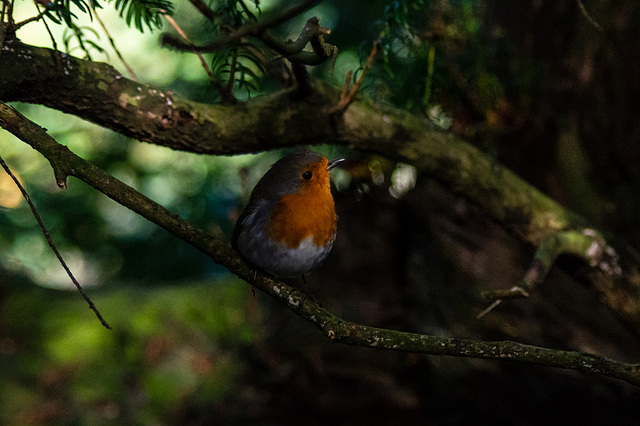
<point x="254" y="29"/>
<point x="66" y="163"/>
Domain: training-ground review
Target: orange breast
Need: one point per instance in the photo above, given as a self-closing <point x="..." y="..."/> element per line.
<point x="311" y="212"/>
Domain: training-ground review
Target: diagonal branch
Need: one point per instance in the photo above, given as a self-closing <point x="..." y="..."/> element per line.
<point x="66" y="163"/>
<point x="47" y="236"/>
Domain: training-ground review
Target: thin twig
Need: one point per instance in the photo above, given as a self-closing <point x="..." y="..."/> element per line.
<point x="232" y="71"/>
<point x="588" y="17"/>
<point x="112" y="42"/>
<point x="227" y="95"/>
<point x="348" y="93"/>
<point x="179" y="30"/>
<point x="3" y="33"/>
<point x="345" y="88"/>
<point x="489" y="308"/>
<point x="7" y="10"/>
<point x="428" y="85"/>
<point x="53" y="40"/>
<point x="51" y="244"/>
<point x="21" y="24"/>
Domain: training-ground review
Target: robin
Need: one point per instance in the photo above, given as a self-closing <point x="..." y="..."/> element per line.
<point x="289" y="225"/>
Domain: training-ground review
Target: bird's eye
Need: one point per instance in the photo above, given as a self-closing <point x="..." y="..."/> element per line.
<point x="307" y="175"/>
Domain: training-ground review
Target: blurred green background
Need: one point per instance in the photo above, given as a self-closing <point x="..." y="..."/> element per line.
<point x="534" y="84"/>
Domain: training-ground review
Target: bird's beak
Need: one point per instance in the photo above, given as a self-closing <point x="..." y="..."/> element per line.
<point x="334" y="163"/>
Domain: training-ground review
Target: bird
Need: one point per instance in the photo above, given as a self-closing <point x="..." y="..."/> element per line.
<point x="289" y="224"/>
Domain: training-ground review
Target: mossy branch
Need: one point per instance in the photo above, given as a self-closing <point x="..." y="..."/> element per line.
<point x="65" y="163"/>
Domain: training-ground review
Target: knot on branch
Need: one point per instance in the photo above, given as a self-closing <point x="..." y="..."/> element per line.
<point x="601" y="255"/>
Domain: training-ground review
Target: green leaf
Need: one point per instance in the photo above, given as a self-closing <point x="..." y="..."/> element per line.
<point x="143" y="12"/>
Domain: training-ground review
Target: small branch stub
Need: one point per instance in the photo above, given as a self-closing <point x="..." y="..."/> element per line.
<point x="586" y="244"/>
